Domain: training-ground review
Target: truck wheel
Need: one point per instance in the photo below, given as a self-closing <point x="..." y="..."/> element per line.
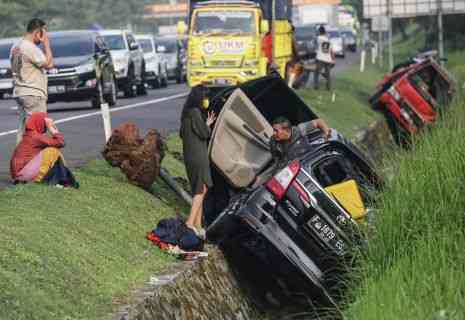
<point x="112" y="97"/>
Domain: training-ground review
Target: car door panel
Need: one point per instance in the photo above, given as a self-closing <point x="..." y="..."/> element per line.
<point x="239" y="145"/>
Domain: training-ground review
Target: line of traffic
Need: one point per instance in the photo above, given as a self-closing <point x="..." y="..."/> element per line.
<point x="91" y="114"/>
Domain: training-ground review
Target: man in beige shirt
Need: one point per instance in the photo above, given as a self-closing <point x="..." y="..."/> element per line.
<point x="28" y="63"/>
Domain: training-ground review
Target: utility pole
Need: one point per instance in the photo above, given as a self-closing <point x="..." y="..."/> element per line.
<point x="391" y="56"/>
<point x="440" y="33"/>
<point x="273" y="30"/>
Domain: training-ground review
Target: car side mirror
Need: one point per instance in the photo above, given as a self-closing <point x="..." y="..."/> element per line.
<point x="181" y="28"/>
<point x="264" y="26"/>
<point x="133" y="46"/>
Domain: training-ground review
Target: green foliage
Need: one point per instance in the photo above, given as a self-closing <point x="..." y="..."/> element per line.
<point x="69" y="14"/>
<point x="74" y="254"/>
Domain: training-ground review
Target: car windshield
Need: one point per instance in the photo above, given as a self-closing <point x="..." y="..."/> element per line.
<point x="334" y="34"/>
<point x="347" y="34"/>
<point x="168" y="44"/>
<point x="115" y="42"/>
<point x="71" y="45"/>
<point x="304" y="32"/>
<point x="220" y="22"/>
<point x="146" y="45"/>
<point x="5" y="50"/>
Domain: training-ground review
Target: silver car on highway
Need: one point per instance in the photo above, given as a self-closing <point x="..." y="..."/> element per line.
<point x="156" y="67"/>
<point x="6" y="77"/>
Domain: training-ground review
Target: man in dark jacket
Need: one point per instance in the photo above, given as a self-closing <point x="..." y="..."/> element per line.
<point x="288" y="141"/>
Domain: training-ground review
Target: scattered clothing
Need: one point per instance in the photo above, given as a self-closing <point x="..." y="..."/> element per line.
<point x="195" y="134"/>
<point x="174" y="232"/>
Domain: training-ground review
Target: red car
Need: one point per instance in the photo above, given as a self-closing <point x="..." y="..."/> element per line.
<point x="412" y="96"/>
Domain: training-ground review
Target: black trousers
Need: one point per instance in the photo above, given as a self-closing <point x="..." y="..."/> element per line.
<point x="325" y="69"/>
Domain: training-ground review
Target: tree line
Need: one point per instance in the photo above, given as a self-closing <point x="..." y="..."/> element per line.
<point x="71" y="14"/>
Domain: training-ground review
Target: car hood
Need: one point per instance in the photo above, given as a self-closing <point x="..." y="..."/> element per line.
<point x="117" y="54"/>
<point x="69" y="62"/>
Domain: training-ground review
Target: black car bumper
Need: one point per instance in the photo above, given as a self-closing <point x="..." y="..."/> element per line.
<point x="76" y="87"/>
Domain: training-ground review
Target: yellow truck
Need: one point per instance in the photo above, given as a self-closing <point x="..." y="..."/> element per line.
<point x="226" y="40"/>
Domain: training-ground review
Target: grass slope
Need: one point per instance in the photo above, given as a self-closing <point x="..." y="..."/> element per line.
<point x="415" y="265"/>
<point x="350" y="111"/>
<point x="71" y="254"/>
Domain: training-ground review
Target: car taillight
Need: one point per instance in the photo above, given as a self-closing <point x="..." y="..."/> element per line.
<point x="279" y="184"/>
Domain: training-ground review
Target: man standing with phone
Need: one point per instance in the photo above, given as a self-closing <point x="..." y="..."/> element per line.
<point x="324" y="58"/>
<point x="28" y="64"/>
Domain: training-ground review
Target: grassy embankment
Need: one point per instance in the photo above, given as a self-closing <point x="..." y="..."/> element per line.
<point x="415" y="265"/>
<point x="67" y="254"/>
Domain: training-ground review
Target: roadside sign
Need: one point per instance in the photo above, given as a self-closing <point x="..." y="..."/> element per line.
<point x="411" y="8"/>
<point x="380" y="24"/>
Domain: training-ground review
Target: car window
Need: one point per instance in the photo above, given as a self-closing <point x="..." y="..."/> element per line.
<point x="305" y="32"/>
<point x="170" y="45"/>
<point x="115" y="42"/>
<point x="146" y="45"/>
<point x="5" y="50"/>
<point x="68" y="45"/>
<point x="224" y="22"/>
<point x="334" y="34"/>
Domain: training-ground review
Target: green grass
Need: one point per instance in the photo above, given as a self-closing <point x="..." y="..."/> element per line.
<point x="350" y="112"/>
<point x="415" y="264"/>
<point x="73" y="254"/>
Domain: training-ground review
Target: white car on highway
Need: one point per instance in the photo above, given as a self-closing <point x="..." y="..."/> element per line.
<point x="337" y="42"/>
<point x="6" y="78"/>
<point x="155" y="63"/>
<point x="128" y="60"/>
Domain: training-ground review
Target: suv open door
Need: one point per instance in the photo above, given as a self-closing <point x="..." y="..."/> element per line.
<point x="239" y="147"/>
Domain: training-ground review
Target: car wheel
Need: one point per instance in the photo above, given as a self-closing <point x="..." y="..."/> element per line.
<point x="142" y="87"/>
<point x="130" y="90"/>
<point x="98" y="99"/>
<point x="112" y="97"/>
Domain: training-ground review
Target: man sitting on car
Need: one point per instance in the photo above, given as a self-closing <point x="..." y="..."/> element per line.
<point x="288" y="141"/>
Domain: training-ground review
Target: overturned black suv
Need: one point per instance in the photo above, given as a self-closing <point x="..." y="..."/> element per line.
<point x="296" y="223"/>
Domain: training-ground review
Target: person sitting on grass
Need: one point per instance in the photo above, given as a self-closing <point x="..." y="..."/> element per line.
<point x="37" y="157"/>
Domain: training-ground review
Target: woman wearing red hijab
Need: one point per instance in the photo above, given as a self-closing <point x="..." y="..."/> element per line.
<point x="38" y="158"/>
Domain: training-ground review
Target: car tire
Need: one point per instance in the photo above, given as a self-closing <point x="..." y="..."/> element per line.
<point x="112" y="97"/>
<point x="130" y="90"/>
<point x="142" y="86"/>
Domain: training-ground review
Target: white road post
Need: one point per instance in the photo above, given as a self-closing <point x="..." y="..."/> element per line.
<point x="105" y="109"/>
<point x="362" y="60"/>
<point x="374" y="52"/>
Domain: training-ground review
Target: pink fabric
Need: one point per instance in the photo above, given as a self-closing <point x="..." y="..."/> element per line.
<point x="31" y="170"/>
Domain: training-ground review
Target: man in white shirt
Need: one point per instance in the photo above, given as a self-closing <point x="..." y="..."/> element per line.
<point x="324" y="58"/>
<point x="28" y="64"/>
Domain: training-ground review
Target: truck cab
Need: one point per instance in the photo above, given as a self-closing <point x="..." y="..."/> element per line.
<point x="225" y="43"/>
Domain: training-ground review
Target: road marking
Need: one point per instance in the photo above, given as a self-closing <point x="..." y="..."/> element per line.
<point x="131" y="106"/>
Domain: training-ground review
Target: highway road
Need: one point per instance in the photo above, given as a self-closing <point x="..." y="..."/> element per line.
<point x="82" y="126"/>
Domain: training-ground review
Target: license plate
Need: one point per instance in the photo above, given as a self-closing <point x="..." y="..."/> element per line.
<point x="327" y="234"/>
<point x="222" y="82"/>
<point x="56" y="89"/>
<point x="6" y="84"/>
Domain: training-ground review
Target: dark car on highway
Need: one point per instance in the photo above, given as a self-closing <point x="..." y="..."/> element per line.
<point x="295" y="223"/>
<point x="83" y="69"/>
<point x="305" y="37"/>
<point x="6" y="77"/>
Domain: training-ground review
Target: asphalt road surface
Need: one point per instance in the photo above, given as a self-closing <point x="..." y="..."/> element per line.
<point x="82" y="126"/>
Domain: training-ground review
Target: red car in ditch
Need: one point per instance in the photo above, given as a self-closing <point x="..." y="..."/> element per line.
<point x="412" y="97"/>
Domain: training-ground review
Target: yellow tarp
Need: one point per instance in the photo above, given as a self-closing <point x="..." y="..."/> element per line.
<point x="348" y="195"/>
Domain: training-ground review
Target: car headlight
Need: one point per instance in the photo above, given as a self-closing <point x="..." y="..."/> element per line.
<point x="120" y="63"/>
<point x="3" y="71"/>
<point x="250" y="63"/>
<point x="394" y="93"/>
<point x="88" y="67"/>
<point x="248" y="73"/>
<point x="197" y="73"/>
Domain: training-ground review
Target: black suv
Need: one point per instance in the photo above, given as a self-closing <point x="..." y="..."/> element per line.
<point x="293" y="222"/>
<point x="83" y="69"/>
